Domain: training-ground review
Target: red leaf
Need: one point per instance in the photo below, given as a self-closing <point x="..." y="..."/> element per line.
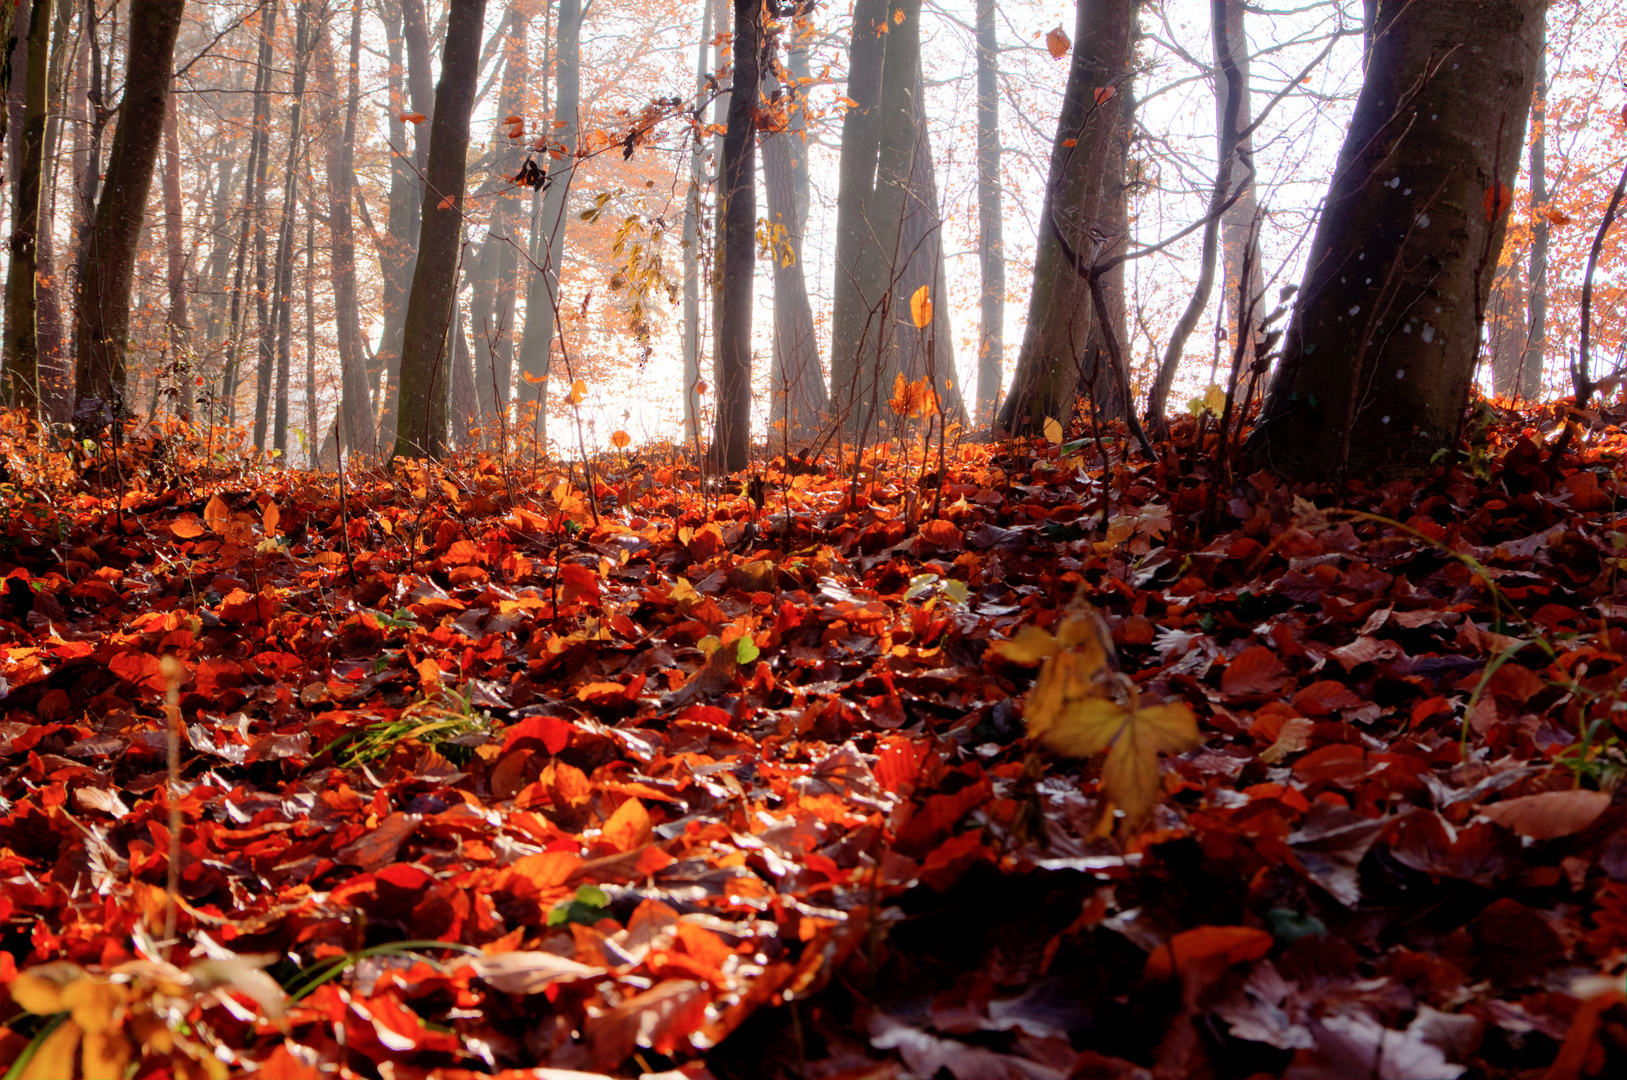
<point x="552" y="732"/>
<point x="1253" y="671"/>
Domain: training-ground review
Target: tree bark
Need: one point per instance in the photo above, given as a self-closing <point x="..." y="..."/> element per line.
<point x="424" y="363"/>
<point x="1077" y="196"/>
<point x="542" y="292"/>
<point x="1378" y="357"/>
<point x="180" y="326"/>
<point x="990" y="238"/>
<point x="737" y="240"/>
<point x="103" y="301"/>
<point x="22" y="330"/>
<point x="56" y="372"/>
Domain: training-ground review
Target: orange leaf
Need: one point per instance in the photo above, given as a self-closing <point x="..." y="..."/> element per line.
<point x="1104" y="94"/>
<point x="215" y="514"/>
<point x="186" y="527"/>
<point x="628" y="828"/>
<point x="413" y="117"/>
<point x="620" y="440"/>
<point x="1497" y="201"/>
<point x="446" y="203"/>
<point x="1070" y="142"/>
<point x="1057" y="43"/>
<point x="512" y="120"/>
<point x="429" y="675"/>
<point x="1227" y="945"/>
<point x="942" y="534"/>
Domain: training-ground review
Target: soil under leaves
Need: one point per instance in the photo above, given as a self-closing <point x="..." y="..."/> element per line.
<point x="478" y="773"/>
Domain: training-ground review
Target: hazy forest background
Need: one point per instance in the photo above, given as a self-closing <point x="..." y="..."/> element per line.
<point x="279" y="233"/>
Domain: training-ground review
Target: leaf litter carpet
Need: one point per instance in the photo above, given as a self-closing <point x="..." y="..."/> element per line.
<point x="681" y="785"/>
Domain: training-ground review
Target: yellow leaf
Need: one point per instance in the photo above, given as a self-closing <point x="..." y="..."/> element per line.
<point x="900" y="402"/>
<point x="1030" y="646"/>
<point x="898" y="15"/>
<point x="1053" y="431"/>
<point x="1057" y="43"/>
<point x="40" y="996"/>
<point x="54" y="1057"/>
<point x="579" y="391"/>
<point x="530" y="378"/>
<point x="1070" y="674"/>
<point x="921" y="308"/>
<point x="849" y="102"/>
<point x="1133" y="739"/>
<point x="620" y="440"/>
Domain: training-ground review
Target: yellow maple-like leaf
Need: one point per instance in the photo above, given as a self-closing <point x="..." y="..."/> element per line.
<point x="1030" y="646"/>
<point x="1070" y="710"/>
<point x="921" y="308"/>
<point x="579" y="392"/>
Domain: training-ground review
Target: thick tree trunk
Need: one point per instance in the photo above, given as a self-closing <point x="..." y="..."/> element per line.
<point x="360" y="438"/>
<point x="1078" y="198"/>
<point x="990" y="238"/>
<point x="22" y="331"/>
<point x="424" y="363"/>
<point x="691" y="338"/>
<point x="542" y="291"/>
<point x="856" y="325"/>
<point x="103" y="301"/>
<point x="736" y="245"/>
<point x="1378" y="357"/>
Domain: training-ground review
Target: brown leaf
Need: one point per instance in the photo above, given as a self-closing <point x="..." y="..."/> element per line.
<point x="1549" y="815"/>
<point x="1255" y="670"/>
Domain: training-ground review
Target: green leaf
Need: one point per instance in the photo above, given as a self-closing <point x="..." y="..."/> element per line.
<point x="745" y="651"/>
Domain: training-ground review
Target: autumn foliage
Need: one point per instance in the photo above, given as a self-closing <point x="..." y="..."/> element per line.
<point x="1099" y="772"/>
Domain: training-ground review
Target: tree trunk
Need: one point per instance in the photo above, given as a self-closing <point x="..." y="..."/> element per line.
<point x="990" y="240"/>
<point x="1078" y="198"/>
<point x="1231" y="93"/>
<point x="406" y="191"/>
<point x="313" y="429"/>
<point x="1506" y="330"/>
<point x="491" y="302"/>
<point x="424" y="367"/>
<point x="22" y="330"/>
<point x="1378" y="357"/>
<point x="103" y="301"/>
<point x="56" y="372"/>
<point x="1240" y="241"/>
<point x="180" y="326"/>
<point x="692" y="214"/>
<point x="542" y="292"/>
<point x="254" y="216"/>
<point x="798" y="383"/>
<point x="1529" y="383"/>
<point x="360" y="437"/>
<point x="860" y="278"/>
<point x="464" y="403"/>
<point x="736" y="245"/>
<point x="275" y="345"/>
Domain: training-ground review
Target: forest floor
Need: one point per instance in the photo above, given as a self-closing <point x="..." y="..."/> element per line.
<point x="477" y="774"/>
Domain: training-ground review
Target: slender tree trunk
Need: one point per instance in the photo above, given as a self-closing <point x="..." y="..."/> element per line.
<point x="542" y="294"/>
<point x="1376" y="365"/>
<point x="464" y="403"/>
<point x="103" y="302"/>
<point x="275" y="346"/>
<point x="1079" y="198"/>
<point x="691" y="244"/>
<point x="180" y="326"/>
<point x="254" y="216"/>
<point x="491" y="302"/>
<point x="424" y="363"/>
<point x="406" y="191"/>
<point x="990" y="238"/>
<point x="737" y="241"/>
<point x="1506" y="330"/>
<point x="1529" y="383"/>
<point x="798" y="383"/>
<point x="1240" y="239"/>
<point x="360" y="437"/>
<point x="856" y="296"/>
<point x="22" y="331"/>
<point x="313" y="430"/>
<point x="56" y="372"/>
<point x="1232" y="91"/>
